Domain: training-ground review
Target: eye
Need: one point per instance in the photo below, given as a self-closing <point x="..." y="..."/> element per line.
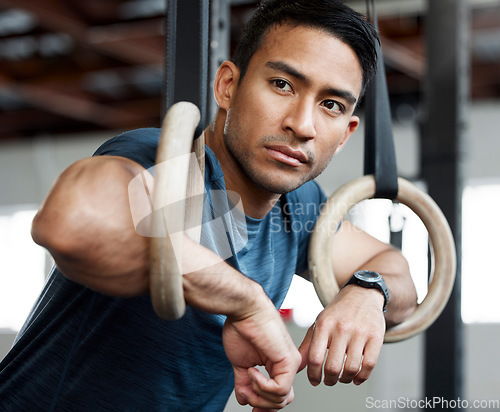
<point x="281" y="84"/>
<point x="333" y="106"/>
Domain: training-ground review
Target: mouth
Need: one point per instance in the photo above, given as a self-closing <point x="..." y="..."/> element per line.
<point x="287" y="155"/>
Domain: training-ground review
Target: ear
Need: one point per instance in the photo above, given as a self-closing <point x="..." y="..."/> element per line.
<point x="226" y="83"/>
<point x="351" y="128"/>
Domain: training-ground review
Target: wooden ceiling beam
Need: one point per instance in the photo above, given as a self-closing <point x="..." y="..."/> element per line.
<point x="33" y="121"/>
<point x="113" y="41"/>
<point x="51" y="14"/>
<point x="403" y="58"/>
<point x="138" y="43"/>
<point x="73" y="107"/>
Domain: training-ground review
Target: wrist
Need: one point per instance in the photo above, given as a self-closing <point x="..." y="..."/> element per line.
<point x="253" y="301"/>
<point x="216" y="287"/>
<point x="371" y="280"/>
<point x="366" y="296"/>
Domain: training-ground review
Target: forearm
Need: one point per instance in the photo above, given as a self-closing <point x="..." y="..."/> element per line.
<point x="212" y="285"/>
<point x="402" y="294"/>
<point x="354" y="250"/>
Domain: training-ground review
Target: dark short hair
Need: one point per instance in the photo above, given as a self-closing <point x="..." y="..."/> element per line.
<point x="331" y="16"/>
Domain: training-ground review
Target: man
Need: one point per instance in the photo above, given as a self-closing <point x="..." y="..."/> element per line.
<point x="286" y="107"/>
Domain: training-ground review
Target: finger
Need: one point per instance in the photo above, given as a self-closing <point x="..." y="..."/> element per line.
<point x="275" y="390"/>
<point x="262" y="401"/>
<point x="304" y="347"/>
<point x="335" y="359"/>
<point x="241" y="381"/>
<point x="370" y="357"/>
<point x="316" y="354"/>
<point x="352" y="362"/>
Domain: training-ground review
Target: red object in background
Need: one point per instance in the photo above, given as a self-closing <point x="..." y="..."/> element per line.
<point x="286" y="315"/>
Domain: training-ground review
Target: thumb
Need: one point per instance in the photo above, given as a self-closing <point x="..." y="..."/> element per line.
<point x="304" y="347"/>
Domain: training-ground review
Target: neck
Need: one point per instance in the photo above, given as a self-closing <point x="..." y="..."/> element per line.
<point x="257" y="202"/>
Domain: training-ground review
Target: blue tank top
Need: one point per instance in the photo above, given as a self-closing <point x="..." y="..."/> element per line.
<point x="83" y="351"/>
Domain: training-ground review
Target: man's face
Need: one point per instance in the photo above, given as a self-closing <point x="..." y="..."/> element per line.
<point x="293" y="108"/>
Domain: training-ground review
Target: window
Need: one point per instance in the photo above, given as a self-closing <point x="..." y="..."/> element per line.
<point x="22" y="267"/>
<point x="480" y="246"/>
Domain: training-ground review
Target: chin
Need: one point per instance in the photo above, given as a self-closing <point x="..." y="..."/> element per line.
<point x="279" y="185"/>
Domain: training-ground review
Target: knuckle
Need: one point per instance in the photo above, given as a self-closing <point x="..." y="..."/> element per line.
<point x="375" y="335"/>
<point x="350" y="369"/>
<point x="282" y="393"/>
<point x="321" y="324"/>
<point x="332" y="370"/>
<point x="281" y="402"/>
<point x="369" y="364"/>
<point x="315" y="361"/>
<point x="344" y="327"/>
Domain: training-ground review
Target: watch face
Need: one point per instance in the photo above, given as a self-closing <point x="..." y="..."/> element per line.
<point x="368" y="276"/>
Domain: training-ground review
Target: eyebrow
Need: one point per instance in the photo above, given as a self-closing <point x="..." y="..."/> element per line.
<point x="286" y="68"/>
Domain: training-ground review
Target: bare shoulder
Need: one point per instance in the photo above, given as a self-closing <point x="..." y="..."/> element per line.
<point x="104" y="166"/>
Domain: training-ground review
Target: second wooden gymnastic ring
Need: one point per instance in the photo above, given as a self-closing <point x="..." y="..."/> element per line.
<point x="440" y="236"/>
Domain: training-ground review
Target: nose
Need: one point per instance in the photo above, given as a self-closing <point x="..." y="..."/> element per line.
<point x="299" y="119"/>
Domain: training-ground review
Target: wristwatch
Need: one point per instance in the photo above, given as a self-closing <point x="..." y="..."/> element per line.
<point x="369" y="279"/>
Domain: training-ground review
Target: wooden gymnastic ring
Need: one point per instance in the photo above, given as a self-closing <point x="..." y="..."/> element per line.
<point x="440" y="236"/>
<point x="171" y="187"/>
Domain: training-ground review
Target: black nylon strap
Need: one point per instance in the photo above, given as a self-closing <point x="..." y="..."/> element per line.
<point x="186" y="62"/>
<point x="379" y="156"/>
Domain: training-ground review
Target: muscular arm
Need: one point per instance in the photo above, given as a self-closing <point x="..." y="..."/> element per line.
<point x="86" y="225"/>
